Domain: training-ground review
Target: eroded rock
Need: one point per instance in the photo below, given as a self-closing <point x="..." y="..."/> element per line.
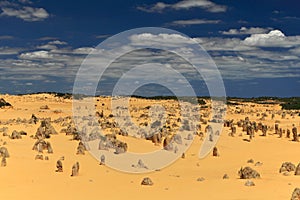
<point x="248" y="173"/>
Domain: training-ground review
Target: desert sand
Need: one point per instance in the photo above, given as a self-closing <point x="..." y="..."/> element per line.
<point x="24" y="177"/>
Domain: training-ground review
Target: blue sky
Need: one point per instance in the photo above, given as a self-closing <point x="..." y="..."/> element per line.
<point x="255" y="44"/>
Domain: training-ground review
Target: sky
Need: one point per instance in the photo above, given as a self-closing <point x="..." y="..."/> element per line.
<point x="254" y="44"/>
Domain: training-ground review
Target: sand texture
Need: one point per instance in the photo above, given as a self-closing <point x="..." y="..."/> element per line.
<point x="25" y="177"/>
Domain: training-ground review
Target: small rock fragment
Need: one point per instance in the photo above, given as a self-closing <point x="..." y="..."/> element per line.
<point x="297" y="171"/>
<point x="225" y="176"/>
<point x="3" y="162"/>
<point x="183" y="155"/>
<point x="75" y="169"/>
<point x="147" y="181"/>
<point x="249" y="183"/>
<point x="215" y="152"/>
<point x="200" y="179"/>
<point x="59" y="166"/>
<point x="296" y="194"/>
<point x="102" y="160"/>
<point x="39" y="157"/>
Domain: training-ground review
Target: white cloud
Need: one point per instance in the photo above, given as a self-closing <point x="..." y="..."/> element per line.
<point x="57" y="42"/>
<point x="56" y="56"/>
<point x="295" y="51"/>
<point x="223" y="44"/>
<point x="83" y="50"/>
<point x="159" y="39"/>
<point x="246" y="31"/>
<point x="26" y="13"/>
<point x="38" y="66"/>
<point x="52" y="45"/>
<point x="20" y="63"/>
<point x="232" y="67"/>
<point x="235" y="58"/>
<point x="158" y="7"/>
<point x="185" y="4"/>
<point x="23" y="10"/>
<point x="247" y="59"/>
<point x="274" y="38"/>
<point x="205" y="4"/>
<point x="47" y="47"/>
<point x="36" y="55"/>
<point x="9" y="51"/>
<point x="193" y="22"/>
<point x="21" y="77"/>
<point x="7" y="4"/>
<point x="274" y="56"/>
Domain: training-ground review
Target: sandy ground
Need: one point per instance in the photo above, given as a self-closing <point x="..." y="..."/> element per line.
<point x="27" y="178"/>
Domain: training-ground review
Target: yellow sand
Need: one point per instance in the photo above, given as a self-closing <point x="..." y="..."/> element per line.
<point x="27" y="178"/>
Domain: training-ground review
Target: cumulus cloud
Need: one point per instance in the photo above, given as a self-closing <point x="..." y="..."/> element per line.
<point x="223" y="44"/>
<point x="54" y="62"/>
<point x="52" y="45"/>
<point x="246" y="31"/>
<point x="236" y="58"/>
<point x="26" y="13"/>
<point x="46" y="56"/>
<point x="57" y="42"/>
<point x="21" y="11"/>
<point x="158" y="7"/>
<point x="220" y="46"/>
<point x="274" y="38"/>
<point x="185" y="5"/>
<point x="83" y="50"/>
<point x="39" y="65"/>
<point x="36" y="55"/>
<point x="159" y="39"/>
<point x="193" y="22"/>
<point x="249" y="58"/>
